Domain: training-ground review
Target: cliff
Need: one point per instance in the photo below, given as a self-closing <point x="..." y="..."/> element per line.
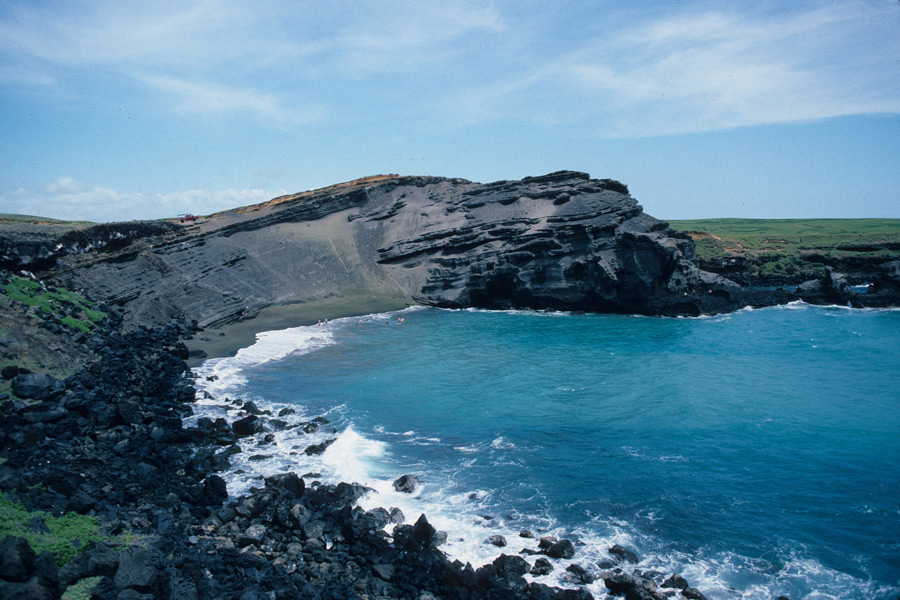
<point x="561" y="241"/>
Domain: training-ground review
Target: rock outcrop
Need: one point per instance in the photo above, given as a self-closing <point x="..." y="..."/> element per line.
<point x="561" y="241"/>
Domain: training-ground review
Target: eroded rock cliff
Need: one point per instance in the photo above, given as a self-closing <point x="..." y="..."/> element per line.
<point x="561" y="241"/>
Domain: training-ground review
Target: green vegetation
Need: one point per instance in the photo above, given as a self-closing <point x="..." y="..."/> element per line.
<point x="63" y="537"/>
<point x="81" y="590"/>
<point x="80" y="312"/>
<point x="33" y="220"/>
<point x="786" y="247"/>
<point x="791" y="235"/>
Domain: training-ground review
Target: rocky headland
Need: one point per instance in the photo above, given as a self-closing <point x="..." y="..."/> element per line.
<point x="562" y="241"/>
<point x="93" y="325"/>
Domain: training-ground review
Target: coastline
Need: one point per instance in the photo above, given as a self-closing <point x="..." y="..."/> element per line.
<point x="226" y="340"/>
<point x="159" y="516"/>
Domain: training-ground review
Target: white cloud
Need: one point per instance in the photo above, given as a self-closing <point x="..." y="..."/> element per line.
<point x="203" y="202"/>
<point x="167" y="32"/>
<point x="399" y="36"/>
<point x="210" y="97"/>
<point x="704" y="72"/>
<point x="66" y="198"/>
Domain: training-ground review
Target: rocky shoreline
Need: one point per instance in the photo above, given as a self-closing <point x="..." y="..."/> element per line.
<point x="109" y="442"/>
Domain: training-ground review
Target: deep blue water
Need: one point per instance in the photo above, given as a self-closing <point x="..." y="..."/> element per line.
<point x="756" y="453"/>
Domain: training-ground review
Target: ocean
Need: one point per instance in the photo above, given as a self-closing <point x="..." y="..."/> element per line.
<point x="755" y="453"/>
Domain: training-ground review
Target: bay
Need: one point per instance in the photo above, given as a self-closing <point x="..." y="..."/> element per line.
<point x="753" y="452"/>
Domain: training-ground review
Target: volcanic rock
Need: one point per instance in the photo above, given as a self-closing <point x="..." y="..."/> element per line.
<point x="37" y="386"/>
<point x="406" y="484"/>
<point x="559" y="241"/>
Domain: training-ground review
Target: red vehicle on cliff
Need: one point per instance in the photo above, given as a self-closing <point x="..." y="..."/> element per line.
<point x="188" y="218"/>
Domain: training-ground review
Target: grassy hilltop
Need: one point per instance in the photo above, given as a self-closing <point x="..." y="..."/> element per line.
<point x="789" y="250"/>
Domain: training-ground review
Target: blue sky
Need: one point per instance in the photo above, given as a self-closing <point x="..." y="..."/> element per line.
<point x="116" y="110"/>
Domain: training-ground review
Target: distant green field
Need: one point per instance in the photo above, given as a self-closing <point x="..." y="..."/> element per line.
<point x="33" y="220"/>
<point x="792" y="247"/>
<point x="790" y="236"/>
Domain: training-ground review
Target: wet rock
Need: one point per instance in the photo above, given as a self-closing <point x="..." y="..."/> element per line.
<point x="606" y="564"/>
<point x="581" y="574"/>
<point x="675" y="581"/>
<point x="249" y="425"/>
<point x="316" y="449"/>
<point x="507" y="566"/>
<point x="692" y="593"/>
<point x="291" y="483"/>
<point x="406" y="484"/>
<point x="624" y="583"/>
<point x="561" y="549"/>
<point x="624" y="554"/>
<point x="496" y="540"/>
<point x="542" y="566"/>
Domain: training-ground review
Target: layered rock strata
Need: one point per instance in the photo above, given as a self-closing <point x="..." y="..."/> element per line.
<point x="562" y="241"/>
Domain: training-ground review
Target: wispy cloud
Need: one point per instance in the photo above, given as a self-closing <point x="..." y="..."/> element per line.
<point x="714" y="70"/>
<point x="178" y="34"/>
<point x="400" y="36"/>
<point x="68" y="198"/>
<point x="213" y="98"/>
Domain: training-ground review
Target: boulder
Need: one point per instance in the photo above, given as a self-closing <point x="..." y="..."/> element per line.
<point x="289" y="482"/>
<point x="561" y="549"/>
<point x="385" y="572"/>
<point x="581" y="574"/>
<point x="692" y="593"/>
<point x="542" y="566"/>
<point x="510" y="567"/>
<point x="249" y="425"/>
<point x="496" y="540"/>
<point x="623" y="583"/>
<point x="675" y="581"/>
<point x="624" y="554"/>
<point x="37" y="386"/>
<point x="215" y="491"/>
<point x="16" y="559"/>
<point x="253" y="535"/>
<point x="315" y="449"/>
<point x="138" y="568"/>
<point x="406" y="484"/>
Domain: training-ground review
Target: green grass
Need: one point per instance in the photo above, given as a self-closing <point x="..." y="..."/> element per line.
<point x="32" y="294"/>
<point x="15" y="520"/>
<point x="788" y="235"/>
<point x="81" y="590"/>
<point x="35" y="220"/>
<point x="779" y="248"/>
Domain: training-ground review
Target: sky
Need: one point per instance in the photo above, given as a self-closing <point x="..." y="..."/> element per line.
<point x="113" y="110"/>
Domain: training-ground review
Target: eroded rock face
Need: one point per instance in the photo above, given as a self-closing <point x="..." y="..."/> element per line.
<point x="561" y="241"/>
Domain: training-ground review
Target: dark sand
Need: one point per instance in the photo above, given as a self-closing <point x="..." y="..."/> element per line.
<point x="228" y="339"/>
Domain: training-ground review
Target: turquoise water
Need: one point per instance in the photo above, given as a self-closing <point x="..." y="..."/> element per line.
<point x="756" y="453"/>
